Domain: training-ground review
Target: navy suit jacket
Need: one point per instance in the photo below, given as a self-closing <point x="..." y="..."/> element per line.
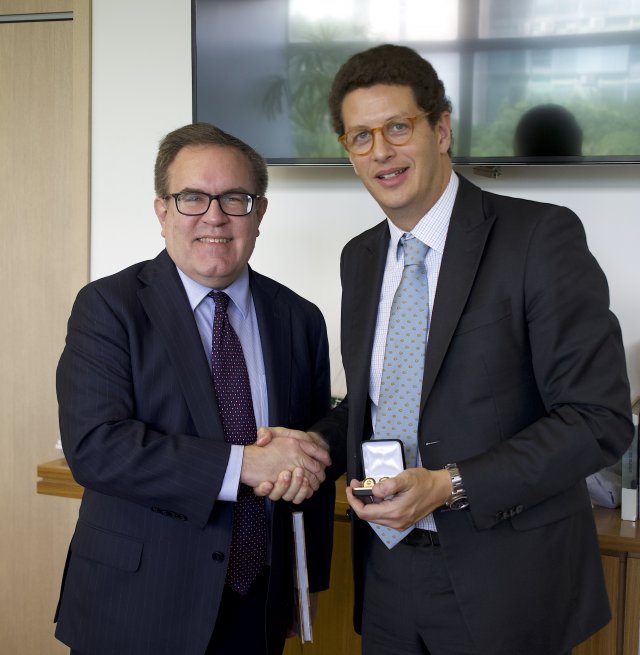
<point x="141" y="432"/>
<point x="525" y="388"/>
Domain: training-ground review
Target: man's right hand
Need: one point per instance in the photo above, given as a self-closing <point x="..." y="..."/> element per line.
<point x="284" y="463"/>
<point x="297" y="484"/>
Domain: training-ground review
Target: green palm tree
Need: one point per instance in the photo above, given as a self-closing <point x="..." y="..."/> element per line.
<point x="303" y="90"/>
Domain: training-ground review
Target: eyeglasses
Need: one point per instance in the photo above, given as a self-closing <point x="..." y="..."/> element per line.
<point x="396" y="131"/>
<point x="196" y="203"/>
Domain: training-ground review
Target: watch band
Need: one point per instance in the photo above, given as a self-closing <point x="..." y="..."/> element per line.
<point x="458" y="499"/>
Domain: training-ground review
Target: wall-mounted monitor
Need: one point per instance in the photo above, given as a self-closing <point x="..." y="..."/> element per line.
<point x="531" y="81"/>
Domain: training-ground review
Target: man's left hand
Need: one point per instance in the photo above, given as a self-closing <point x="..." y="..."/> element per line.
<point x="415" y="493"/>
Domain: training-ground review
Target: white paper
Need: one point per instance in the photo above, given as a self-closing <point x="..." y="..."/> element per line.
<point x="302" y="580"/>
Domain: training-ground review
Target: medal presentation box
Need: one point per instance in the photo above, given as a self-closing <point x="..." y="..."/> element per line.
<point x="333" y="631"/>
<point x="382" y="459"/>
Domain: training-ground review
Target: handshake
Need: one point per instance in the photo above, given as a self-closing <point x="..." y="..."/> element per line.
<point x="285" y="464"/>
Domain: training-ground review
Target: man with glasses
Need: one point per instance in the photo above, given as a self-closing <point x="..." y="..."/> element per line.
<point x="510" y="388"/>
<point x="170" y="367"/>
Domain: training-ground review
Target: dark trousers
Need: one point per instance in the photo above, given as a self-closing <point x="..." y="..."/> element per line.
<point x="409" y="603"/>
<point x="240" y="625"/>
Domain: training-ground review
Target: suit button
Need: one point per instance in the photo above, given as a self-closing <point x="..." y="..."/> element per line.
<point x="218" y="556"/>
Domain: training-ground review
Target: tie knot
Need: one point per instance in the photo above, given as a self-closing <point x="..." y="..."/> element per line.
<point x="220" y="298"/>
<point x="414" y="250"/>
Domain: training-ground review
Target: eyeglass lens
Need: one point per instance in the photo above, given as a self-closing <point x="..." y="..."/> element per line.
<point x="233" y="204"/>
<point x="396" y="132"/>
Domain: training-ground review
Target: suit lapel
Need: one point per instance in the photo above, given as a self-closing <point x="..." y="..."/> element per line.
<point x="362" y="279"/>
<point x="274" y="324"/>
<point x="165" y="301"/>
<point x="468" y="231"/>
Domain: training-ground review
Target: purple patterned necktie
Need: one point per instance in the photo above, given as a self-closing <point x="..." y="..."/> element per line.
<point x="233" y="393"/>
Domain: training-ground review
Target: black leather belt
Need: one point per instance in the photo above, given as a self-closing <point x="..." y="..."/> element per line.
<point x="418" y="537"/>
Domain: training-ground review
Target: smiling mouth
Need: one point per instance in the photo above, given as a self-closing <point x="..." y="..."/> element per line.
<point x="213" y="240"/>
<point x="389" y="176"/>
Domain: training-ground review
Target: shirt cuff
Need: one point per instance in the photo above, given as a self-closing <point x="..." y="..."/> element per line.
<point x="231" y="481"/>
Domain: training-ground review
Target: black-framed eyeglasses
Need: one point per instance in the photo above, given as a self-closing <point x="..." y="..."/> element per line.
<point x="196" y="203"/>
<point x="396" y="131"/>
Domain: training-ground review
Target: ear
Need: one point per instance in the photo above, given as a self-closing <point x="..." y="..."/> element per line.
<point x="443" y="132"/>
<point x="160" y="207"/>
<point x="355" y="168"/>
<point x="260" y="210"/>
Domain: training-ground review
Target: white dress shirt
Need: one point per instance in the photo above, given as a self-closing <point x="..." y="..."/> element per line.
<point x="431" y="230"/>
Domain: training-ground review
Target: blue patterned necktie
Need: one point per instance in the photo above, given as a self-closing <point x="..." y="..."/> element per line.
<point x="403" y="364"/>
<point x="233" y="393"/>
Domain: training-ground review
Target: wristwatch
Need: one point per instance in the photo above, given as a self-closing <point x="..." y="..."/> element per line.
<point x="458" y="498"/>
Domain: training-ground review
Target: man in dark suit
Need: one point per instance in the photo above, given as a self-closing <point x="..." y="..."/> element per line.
<point x="146" y="436"/>
<point x="524" y="391"/>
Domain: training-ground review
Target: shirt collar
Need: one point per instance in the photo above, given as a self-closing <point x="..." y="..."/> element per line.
<point x="238" y="291"/>
<point x="432" y="228"/>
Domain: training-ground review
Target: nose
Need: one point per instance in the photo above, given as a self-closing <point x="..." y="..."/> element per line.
<point x="381" y="148"/>
<point x="214" y="215"/>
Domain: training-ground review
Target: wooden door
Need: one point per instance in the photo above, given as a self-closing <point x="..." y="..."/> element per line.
<point x="44" y="220"/>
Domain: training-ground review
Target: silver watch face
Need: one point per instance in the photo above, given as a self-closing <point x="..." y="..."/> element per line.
<point x="459" y="503"/>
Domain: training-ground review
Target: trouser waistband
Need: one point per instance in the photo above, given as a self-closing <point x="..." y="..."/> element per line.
<point x="418" y="537"/>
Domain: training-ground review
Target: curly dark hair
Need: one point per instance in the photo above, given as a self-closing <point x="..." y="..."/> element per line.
<point x="394" y="65"/>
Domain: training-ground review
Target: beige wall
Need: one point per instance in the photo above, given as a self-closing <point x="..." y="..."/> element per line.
<point x="44" y="168"/>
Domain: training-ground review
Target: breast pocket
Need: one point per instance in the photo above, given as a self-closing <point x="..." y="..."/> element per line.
<point x="481" y="316"/>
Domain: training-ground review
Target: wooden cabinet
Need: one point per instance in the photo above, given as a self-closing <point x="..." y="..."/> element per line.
<point x="631" y="606"/>
<point x="333" y="631"/>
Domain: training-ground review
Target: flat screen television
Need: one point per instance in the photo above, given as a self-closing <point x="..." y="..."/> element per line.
<point x="531" y="81"/>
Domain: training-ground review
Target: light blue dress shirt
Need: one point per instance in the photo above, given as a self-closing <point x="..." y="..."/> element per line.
<point x="242" y="316"/>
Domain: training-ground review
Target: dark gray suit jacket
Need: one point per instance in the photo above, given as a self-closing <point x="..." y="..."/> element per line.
<point x="141" y="432"/>
<point x="525" y="387"/>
